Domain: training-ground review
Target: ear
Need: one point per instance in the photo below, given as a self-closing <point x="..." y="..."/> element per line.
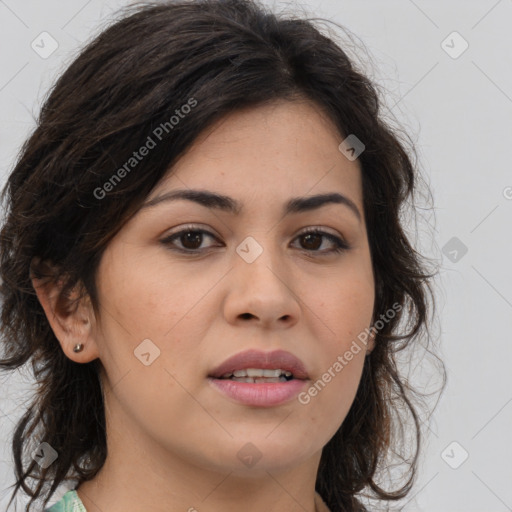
<point x="70" y="314"/>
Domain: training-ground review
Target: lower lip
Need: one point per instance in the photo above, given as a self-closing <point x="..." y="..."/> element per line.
<point x="263" y="395"/>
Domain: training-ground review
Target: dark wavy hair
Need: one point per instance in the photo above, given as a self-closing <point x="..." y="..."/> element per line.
<point x="130" y="79"/>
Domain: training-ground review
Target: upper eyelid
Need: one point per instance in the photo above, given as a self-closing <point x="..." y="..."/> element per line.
<point x="192" y="227"/>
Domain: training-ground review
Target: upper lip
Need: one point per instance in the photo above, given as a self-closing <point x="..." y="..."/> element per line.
<point x="277" y="359"/>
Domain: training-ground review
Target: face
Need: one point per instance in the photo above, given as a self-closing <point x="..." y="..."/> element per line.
<point x="186" y="285"/>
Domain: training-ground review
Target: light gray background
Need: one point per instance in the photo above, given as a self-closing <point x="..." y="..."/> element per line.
<point x="459" y="112"/>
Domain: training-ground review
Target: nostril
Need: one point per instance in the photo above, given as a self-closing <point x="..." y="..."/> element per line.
<point x="246" y="316"/>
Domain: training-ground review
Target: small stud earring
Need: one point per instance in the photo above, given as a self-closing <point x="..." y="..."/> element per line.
<point x="78" y="347"/>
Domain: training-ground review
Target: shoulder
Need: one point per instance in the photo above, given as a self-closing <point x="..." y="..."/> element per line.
<point x="70" y="502"/>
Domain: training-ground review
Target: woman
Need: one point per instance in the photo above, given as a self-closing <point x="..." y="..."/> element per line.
<point x="203" y="259"/>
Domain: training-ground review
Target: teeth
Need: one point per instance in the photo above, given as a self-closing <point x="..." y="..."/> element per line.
<point x="256" y="372"/>
<point x="259" y="380"/>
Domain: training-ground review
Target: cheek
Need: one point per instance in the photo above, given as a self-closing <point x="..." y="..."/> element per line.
<point x="345" y="310"/>
<point x="147" y="296"/>
<point x="334" y="386"/>
<point x="345" y="307"/>
<point x="150" y="299"/>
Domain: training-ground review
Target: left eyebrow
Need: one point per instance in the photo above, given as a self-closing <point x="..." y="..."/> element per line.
<point x="228" y="204"/>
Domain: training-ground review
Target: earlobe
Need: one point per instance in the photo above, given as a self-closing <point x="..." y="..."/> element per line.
<point x="70" y="314"/>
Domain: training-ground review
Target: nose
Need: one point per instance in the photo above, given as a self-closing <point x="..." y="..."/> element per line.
<point x="262" y="292"/>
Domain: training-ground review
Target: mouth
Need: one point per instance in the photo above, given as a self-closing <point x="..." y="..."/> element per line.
<point x="263" y="379"/>
<point x="256" y="366"/>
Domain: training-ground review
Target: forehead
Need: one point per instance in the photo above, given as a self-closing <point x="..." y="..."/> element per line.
<point x="265" y="152"/>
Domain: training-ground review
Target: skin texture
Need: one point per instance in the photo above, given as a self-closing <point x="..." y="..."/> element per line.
<point x="172" y="438"/>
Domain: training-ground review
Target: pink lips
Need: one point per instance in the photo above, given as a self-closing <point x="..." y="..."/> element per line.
<point x="260" y="394"/>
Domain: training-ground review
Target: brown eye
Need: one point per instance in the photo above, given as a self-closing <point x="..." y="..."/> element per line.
<point x="188" y="240"/>
<point x="191" y="239"/>
<point x="312" y="240"/>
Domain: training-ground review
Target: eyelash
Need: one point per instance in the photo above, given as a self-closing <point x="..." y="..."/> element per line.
<point x="339" y="244"/>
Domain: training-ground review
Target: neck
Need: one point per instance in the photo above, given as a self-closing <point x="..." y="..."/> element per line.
<point x="139" y="474"/>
